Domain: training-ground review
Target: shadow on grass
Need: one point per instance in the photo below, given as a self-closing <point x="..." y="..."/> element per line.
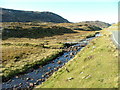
<point x="34" y="32"/>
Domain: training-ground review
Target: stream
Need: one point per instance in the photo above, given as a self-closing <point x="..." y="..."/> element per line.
<point x="35" y="77"/>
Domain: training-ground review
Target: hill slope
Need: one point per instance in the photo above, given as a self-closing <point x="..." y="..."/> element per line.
<point x="10" y="15"/>
<point x="29" y="30"/>
<point x="98" y="23"/>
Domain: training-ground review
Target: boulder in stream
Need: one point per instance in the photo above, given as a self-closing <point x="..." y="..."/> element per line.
<point x="31" y="84"/>
<point x="59" y="62"/>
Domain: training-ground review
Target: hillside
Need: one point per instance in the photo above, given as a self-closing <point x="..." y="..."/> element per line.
<point x="114" y="27"/>
<point x="10" y="15"/>
<point x="98" y="23"/>
<point x="86" y="25"/>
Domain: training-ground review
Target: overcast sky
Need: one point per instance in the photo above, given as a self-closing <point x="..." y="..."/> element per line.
<point x="72" y="10"/>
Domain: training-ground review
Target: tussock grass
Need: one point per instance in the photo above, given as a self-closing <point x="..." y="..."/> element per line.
<point x="21" y="53"/>
<point x="18" y="59"/>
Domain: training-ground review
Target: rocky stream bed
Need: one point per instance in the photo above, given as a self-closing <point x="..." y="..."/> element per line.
<point x="36" y="76"/>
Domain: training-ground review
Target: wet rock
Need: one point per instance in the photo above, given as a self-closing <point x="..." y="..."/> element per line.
<point x="75" y="53"/>
<point x="75" y="49"/>
<point x="59" y="62"/>
<point x="60" y="66"/>
<point x="83" y="45"/>
<point x="27" y="79"/>
<point x="16" y="77"/>
<point x="43" y="75"/>
<point x="31" y="79"/>
<point x="9" y="81"/>
<point x="28" y="87"/>
<point x="36" y="83"/>
<point x="55" y="68"/>
<point x="78" y="48"/>
<point x="63" y="64"/>
<point x="27" y="82"/>
<point x="66" y="56"/>
<point x="68" y="50"/>
<point x="15" y="86"/>
<point x="43" y="80"/>
<point x="20" y="84"/>
<point x="11" y="85"/>
<point x="40" y="66"/>
<point x="47" y="73"/>
<point x="49" y="67"/>
<point x="31" y="84"/>
<point x="39" y="80"/>
<point x="71" y="53"/>
<point x="70" y="56"/>
<point x="47" y="76"/>
<point x="52" y="71"/>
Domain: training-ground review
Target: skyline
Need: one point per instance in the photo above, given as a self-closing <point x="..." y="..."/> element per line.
<point x="74" y="11"/>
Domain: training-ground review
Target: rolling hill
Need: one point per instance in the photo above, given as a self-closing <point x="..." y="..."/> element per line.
<point x="10" y="15"/>
<point x="98" y="23"/>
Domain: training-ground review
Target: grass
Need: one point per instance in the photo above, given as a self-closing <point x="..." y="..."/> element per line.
<point x="33" y="32"/>
<point x="114" y="27"/>
<point x="18" y="59"/>
<point x="96" y="66"/>
<point x="21" y="53"/>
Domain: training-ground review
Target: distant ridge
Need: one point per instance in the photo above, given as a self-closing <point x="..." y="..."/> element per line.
<point x="98" y="23"/>
<point x="10" y="15"/>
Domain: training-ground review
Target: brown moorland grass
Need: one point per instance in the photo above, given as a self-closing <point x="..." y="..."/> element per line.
<point x="20" y="54"/>
<point x="18" y="59"/>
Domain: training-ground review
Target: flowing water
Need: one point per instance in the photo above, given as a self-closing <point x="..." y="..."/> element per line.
<point x="41" y="74"/>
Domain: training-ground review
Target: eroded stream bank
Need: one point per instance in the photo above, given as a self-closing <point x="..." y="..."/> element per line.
<point x="41" y="74"/>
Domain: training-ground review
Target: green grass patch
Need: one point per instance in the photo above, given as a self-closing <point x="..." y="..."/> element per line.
<point x="114" y="27"/>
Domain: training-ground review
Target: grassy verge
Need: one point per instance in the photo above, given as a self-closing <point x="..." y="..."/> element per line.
<point x="96" y="66"/>
<point x="114" y="27"/>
